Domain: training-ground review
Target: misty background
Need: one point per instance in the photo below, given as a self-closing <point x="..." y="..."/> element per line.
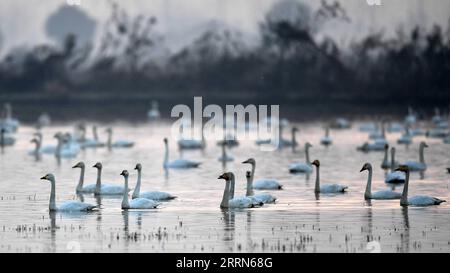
<point x="104" y="57"/>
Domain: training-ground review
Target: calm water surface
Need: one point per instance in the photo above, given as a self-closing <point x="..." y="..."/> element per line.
<point x="193" y="222"/>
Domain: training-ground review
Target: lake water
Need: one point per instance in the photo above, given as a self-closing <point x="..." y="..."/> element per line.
<point x="195" y="223"/>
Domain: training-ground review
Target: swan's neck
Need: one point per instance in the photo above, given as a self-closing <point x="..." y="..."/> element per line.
<point x="224" y="153"/>
<point x="317" y="185"/>
<point x="125" y="203"/>
<point x="253" y="172"/>
<point x="392" y="160"/>
<point x="52" y="204"/>
<point x="38" y="146"/>
<point x="294" y="141"/>
<point x="166" y="154"/>
<point x="404" y="200"/>
<point x="249" y="187"/>
<point x="383" y="131"/>
<point x="368" y="193"/>
<point x="98" y="184"/>
<point x="59" y="147"/>
<point x="327" y="132"/>
<point x="232" y="185"/>
<point x="137" y="189"/>
<point x="226" y="195"/>
<point x="109" y="139"/>
<point x="385" y="159"/>
<point x="95" y="133"/>
<point x="421" y="156"/>
<point x="81" y="181"/>
<point x="307" y="156"/>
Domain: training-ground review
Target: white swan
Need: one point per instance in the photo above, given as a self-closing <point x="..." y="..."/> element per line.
<point x="37" y="148"/>
<point x="288" y="143"/>
<point x="227" y="202"/>
<point x="326" y="188"/>
<point x="66" y="206"/>
<point x="63" y="150"/>
<point x="378" y="134"/>
<point x="153" y="113"/>
<point x="326" y="140"/>
<point x="225" y="157"/>
<point x="394" y="177"/>
<point x="418" y="200"/>
<point x="105" y="189"/>
<point x="47" y="149"/>
<point x="385" y="164"/>
<point x="437" y="133"/>
<point x="302" y="167"/>
<point x="80" y="188"/>
<point x="421" y="165"/>
<point x="411" y="118"/>
<point x="118" y="143"/>
<point x="384" y="194"/>
<point x="405" y="138"/>
<point x="153" y="195"/>
<point x="437" y="118"/>
<point x="9" y="123"/>
<point x="340" y="123"/>
<point x="242" y="201"/>
<point x="178" y="163"/>
<point x="262" y="184"/>
<point x="262" y="197"/>
<point x="378" y="145"/>
<point x="94" y="142"/>
<point x="5" y="139"/>
<point x="137" y="203"/>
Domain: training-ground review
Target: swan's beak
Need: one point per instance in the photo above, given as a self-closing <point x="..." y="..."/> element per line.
<point x="426" y="145"/>
<point x="44" y="177"/>
<point x="76" y="166"/>
<point x="246" y="161"/>
<point x="221" y="177"/>
<point x="363" y="169"/>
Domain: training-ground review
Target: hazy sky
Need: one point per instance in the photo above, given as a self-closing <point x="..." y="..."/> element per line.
<point x="22" y="21"/>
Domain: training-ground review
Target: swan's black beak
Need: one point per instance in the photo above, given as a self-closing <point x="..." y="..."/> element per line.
<point x="363" y="169"/>
<point x="76" y="166"/>
<point x="44" y="177"/>
<point x="246" y="161"/>
<point x="222" y="177"/>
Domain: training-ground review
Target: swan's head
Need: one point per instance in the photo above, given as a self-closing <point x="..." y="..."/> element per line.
<point x="58" y="135"/>
<point x="34" y="140"/>
<point x="316" y="163"/>
<point x="165" y="140"/>
<point x="78" y="165"/>
<point x="308" y="145"/>
<point x="423" y="145"/>
<point x="386" y="146"/>
<point x="138" y="167"/>
<point x="249" y="161"/>
<point x="98" y="165"/>
<point x="124" y="173"/>
<point x="226" y="176"/>
<point x="366" y="167"/>
<point x="393" y="150"/>
<point x="402" y="168"/>
<point x="49" y="177"/>
<point x="294" y="129"/>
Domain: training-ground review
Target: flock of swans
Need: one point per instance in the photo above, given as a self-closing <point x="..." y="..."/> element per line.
<point x="68" y="146"/>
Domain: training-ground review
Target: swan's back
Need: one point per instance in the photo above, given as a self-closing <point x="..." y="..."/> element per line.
<point x="395" y="177"/>
<point x="183" y="163"/>
<point x="88" y="188"/>
<point x="265" y="197"/>
<point x="332" y="188"/>
<point x="424" y="200"/>
<point x="266" y="184"/>
<point x="415" y="165"/>
<point x="240" y="202"/>
<point x="386" y="194"/>
<point x="156" y="195"/>
<point x="143" y="203"/>
<point x="75" y="206"/>
<point x="300" y="168"/>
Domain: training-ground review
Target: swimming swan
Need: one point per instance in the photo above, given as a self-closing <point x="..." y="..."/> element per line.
<point x="302" y="167"/>
<point x="418" y="166"/>
<point x="263" y="197"/>
<point x="384" y="194"/>
<point x="262" y="184"/>
<point x="153" y="195"/>
<point x="326" y="140"/>
<point x="394" y="177"/>
<point x="117" y="143"/>
<point x="67" y="206"/>
<point x="418" y="200"/>
<point x="235" y="202"/>
<point x="137" y="203"/>
<point x="105" y="189"/>
<point x="326" y="188"/>
<point x="80" y="188"/>
<point x="178" y="163"/>
<point x="385" y="164"/>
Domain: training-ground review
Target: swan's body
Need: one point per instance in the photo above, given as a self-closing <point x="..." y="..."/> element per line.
<point x="137" y="203"/>
<point x="368" y="127"/>
<point x="153" y="195"/>
<point x="8" y="123"/>
<point x="69" y="206"/>
<point x="5" y="139"/>
<point x="326" y="140"/>
<point x="411" y="118"/>
<point x="117" y="143"/>
<point x="418" y="165"/>
<point x="418" y="200"/>
<point x="178" y="163"/>
<point x="437" y="133"/>
<point x="94" y="142"/>
<point x="367" y="147"/>
<point x="65" y="150"/>
<point x="326" y="188"/>
<point x="340" y="123"/>
<point x="227" y="199"/>
<point x="153" y="113"/>
<point x="405" y="138"/>
<point x="395" y="127"/>
<point x="262" y="197"/>
<point x="191" y="144"/>
<point x="262" y="184"/>
<point x="383" y="194"/>
<point x="302" y="167"/>
<point x="106" y="189"/>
